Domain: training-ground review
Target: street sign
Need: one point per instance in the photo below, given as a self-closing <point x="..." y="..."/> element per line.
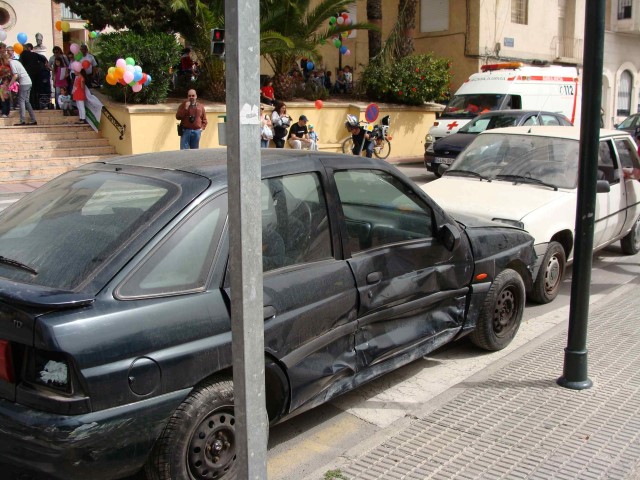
<point x="371" y="113"/>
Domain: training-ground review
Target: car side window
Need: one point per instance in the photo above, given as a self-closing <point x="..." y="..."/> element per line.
<point x="626" y="153"/>
<point x="295" y="222"/>
<point x="549" y="120"/>
<point x="606" y="165"/>
<point x="380" y="210"/>
<point x="182" y="262"/>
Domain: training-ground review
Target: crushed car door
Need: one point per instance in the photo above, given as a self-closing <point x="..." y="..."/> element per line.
<point x="412" y="289"/>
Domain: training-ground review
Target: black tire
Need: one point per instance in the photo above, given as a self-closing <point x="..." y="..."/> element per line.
<point x="347" y="145"/>
<point x="383" y="150"/>
<point x="199" y="439"/>
<point x="501" y="313"/>
<point x="547" y="284"/>
<point x="631" y="242"/>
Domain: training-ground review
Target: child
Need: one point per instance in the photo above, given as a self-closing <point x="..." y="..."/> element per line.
<point x="313" y="136"/>
<point x="79" y="95"/>
<point x="65" y="102"/>
<point x="5" y="96"/>
<point x="267" y="94"/>
<point x="60" y="78"/>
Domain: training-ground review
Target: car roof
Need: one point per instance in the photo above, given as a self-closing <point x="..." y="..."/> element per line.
<point x="210" y="162"/>
<point x="520" y="113"/>
<point x="572" y="133"/>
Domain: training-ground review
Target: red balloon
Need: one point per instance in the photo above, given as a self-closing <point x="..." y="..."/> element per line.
<point x="319" y="104"/>
<point x="143" y="79"/>
<point x="86" y="64"/>
<point x="122" y="82"/>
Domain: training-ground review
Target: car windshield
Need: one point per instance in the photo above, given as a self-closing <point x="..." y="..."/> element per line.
<point x="471" y="105"/>
<point x="521" y="159"/>
<point x="66" y="230"/>
<point x="487" y="122"/>
<point x="628" y="122"/>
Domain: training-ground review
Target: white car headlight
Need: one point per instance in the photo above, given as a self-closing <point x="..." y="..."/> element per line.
<point x="513" y="223"/>
<point x="428" y="138"/>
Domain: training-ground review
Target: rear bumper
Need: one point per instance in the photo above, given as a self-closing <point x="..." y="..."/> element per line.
<point x="103" y="445"/>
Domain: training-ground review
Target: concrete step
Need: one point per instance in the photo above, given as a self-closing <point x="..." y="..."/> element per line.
<point x="42" y="144"/>
<point x="42" y="120"/>
<point x="58" y="134"/>
<point x="40" y="162"/>
<point x="64" y="151"/>
<point x="53" y="128"/>
<point x="43" y="171"/>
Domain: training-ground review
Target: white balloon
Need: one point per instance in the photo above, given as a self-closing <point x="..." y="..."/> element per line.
<point x="129" y="68"/>
<point x="3" y="35"/>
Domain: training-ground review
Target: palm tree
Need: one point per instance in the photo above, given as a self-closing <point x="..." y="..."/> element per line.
<point x="374" y="17"/>
<point x="407" y="10"/>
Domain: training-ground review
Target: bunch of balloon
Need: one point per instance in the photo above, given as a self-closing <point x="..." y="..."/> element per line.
<point x="75" y="49"/>
<point x="18" y="47"/>
<point x="127" y="73"/>
<point x="342" y="20"/>
<point x="63" y="26"/>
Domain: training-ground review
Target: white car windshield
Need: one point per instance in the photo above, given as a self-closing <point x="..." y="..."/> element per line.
<point x="520" y="159"/>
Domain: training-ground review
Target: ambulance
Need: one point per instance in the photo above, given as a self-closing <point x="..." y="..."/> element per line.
<point x="512" y="85"/>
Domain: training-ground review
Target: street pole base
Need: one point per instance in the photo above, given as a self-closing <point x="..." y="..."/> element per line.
<point x="575" y="384"/>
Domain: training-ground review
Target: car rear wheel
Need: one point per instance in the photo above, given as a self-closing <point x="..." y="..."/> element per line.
<point x="631" y="242"/>
<point x="501" y="313"/>
<point x="547" y="284"/>
<point x="199" y="440"/>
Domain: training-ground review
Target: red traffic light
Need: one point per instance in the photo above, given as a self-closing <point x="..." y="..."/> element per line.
<point x="217" y="35"/>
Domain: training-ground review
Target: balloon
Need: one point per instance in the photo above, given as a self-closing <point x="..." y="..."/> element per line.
<point x="137" y="76"/>
<point x="309" y="65"/>
<point x="343" y="49"/>
<point x="22" y="38"/>
<point x="319" y="104"/>
<point x="121" y="63"/>
<point x="111" y="80"/>
<point x="122" y="82"/>
<point x="348" y="52"/>
<point x="3" y="35"/>
<point x="148" y="80"/>
<point x="347" y="21"/>
<point x="93" y="34"/>
<point x="59" y="25"/>
<point x="74" y="48"/>
<point x="137" y="68"/>
<point x="137" y="87"/>
<point x="127" y="77"/>
<point x="128" y="68"/>
<point x="65" y="26"/>
<point x="332" y="20"/>
<point x="132" y="83"/>
<point x="78" y="56"/>
<point x="130" y="61"/>
<point x="119" y="73"/>
<point x="337" y="43"/>
<point x="97" y="33"/>
<point x="143" y="80"/>
<point x="76" y="66"/>
<point x="340" y="20"/>
<point x="86" y="64"/>
<point x="17" y="48"/>
<point x="111" y="70"/>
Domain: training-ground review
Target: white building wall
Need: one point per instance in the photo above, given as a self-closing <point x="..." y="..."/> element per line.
<point x="31" y="17"/>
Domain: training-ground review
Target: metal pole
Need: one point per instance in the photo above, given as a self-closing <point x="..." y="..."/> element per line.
<point x="575" y="354"/>
<point x="245" y="233"/>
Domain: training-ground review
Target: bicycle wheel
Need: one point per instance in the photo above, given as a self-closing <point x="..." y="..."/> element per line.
<point x="383" y="149"/>
<point x="347" y="145"/>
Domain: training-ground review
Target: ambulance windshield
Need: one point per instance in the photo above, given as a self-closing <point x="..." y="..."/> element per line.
<point x="471" y="105"/>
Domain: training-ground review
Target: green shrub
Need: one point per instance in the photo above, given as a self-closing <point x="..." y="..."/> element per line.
<point x="413" y="80"/>
<point x="155" y="52"/>
<point x="312" y="91"/>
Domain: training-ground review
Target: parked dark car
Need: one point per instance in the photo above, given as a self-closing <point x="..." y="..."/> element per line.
<point x="115" y="342"/>
<point x="631" y="124"/>
<point x="446" y="149"/>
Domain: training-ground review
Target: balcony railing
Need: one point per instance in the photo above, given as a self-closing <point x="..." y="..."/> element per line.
<point x="67" y="14"/>
<point x="567" y="48"/>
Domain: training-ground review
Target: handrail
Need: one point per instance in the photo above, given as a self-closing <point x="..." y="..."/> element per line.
<point x="121" y="128"/>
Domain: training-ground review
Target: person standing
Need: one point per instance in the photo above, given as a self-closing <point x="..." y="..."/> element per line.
<point x="193" y="119"/>
<point x="88" y="67"/>
<point x="60" y="78"/>
<point x="79" y="95"/>
<point x="313" y="136"/>
<point x="299" y="135"/>
<point x="21" y="77"/>
<point x="33" y="63"/>
<point x="280" y="121"/>
<point x="266" y="131"/>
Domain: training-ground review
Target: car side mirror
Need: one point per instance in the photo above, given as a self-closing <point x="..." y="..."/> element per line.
<point x="443" y="167"/>
<point x="449" y="236"/>
<point x="602" y="186"/>
<point x="615" y="125"/>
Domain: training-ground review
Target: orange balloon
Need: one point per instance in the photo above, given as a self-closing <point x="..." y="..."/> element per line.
<point x="319" y="104"/>
<point x="59" y="25"/>
<point x="111" y="80"/>
<point x="17" y="47"/>
<point x="119" y="73"/>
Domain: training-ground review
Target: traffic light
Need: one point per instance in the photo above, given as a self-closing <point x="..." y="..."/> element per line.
<point x="217" y="41"/>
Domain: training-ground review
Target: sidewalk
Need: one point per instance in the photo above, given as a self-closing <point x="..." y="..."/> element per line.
<point x="513" y="421"/>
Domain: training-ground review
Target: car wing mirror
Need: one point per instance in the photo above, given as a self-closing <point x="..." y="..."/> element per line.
<point x="602" y="186"/>
<point x="443" y="167"/>
<point x="449" y="236"/>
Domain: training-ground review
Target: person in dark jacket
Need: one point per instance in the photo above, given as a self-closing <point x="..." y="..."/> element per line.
<point x="34" y="63"/>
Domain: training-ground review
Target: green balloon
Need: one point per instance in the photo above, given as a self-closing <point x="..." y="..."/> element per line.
<point x="332" y="20"/>
<point x="337" y="43"/>
<point x="78" y="56"/>
<point x="130" y="61"/>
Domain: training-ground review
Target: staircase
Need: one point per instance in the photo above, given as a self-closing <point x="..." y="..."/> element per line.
<point x="33" y="155"/>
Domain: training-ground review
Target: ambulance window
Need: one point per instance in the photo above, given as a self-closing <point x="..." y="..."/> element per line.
<point x="513" y="102"/>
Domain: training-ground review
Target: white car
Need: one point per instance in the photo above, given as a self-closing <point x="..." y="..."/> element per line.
<point x="528" y="177"/>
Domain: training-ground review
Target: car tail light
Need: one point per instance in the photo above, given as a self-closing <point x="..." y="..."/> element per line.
<point x="6" y="365"/>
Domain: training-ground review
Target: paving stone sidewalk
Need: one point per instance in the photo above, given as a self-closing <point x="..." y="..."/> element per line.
<point x="517" y="423"/>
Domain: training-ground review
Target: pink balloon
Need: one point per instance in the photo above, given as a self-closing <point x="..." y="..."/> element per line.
<point x="348" y="52"/>
<point x="121" y="63"/>
<point x="74" y="48"/>
<point x="76" y="66"/>
<point x="340" y="20"/>
<point x="127" y="77"/>
<point x="137" y="87"/>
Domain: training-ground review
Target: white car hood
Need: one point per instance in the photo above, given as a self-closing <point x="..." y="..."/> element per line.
<point x="496" y="199"/>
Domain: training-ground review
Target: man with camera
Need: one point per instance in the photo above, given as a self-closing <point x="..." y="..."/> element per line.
<point x="193" y="120"/>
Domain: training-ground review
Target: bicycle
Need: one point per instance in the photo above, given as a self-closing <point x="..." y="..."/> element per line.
<point x="380" y="133"/>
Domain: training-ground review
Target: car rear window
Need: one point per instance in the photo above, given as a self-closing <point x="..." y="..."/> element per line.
<point x="63" y="232"/>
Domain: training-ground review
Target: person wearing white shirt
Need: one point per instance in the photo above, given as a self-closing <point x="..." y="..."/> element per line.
<point x="20" y="75"/>
<point x="92" y="63"/>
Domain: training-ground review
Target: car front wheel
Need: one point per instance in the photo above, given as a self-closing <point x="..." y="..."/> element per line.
<point x="199" y="440"/>
<point x="547" y="284"/>
<point x="631" y="242"/>
<point x="501" y="313"/>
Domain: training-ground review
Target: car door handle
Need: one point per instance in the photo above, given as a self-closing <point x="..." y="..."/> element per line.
<point x="268" y="312"/>
<point x="374" y="277"/>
